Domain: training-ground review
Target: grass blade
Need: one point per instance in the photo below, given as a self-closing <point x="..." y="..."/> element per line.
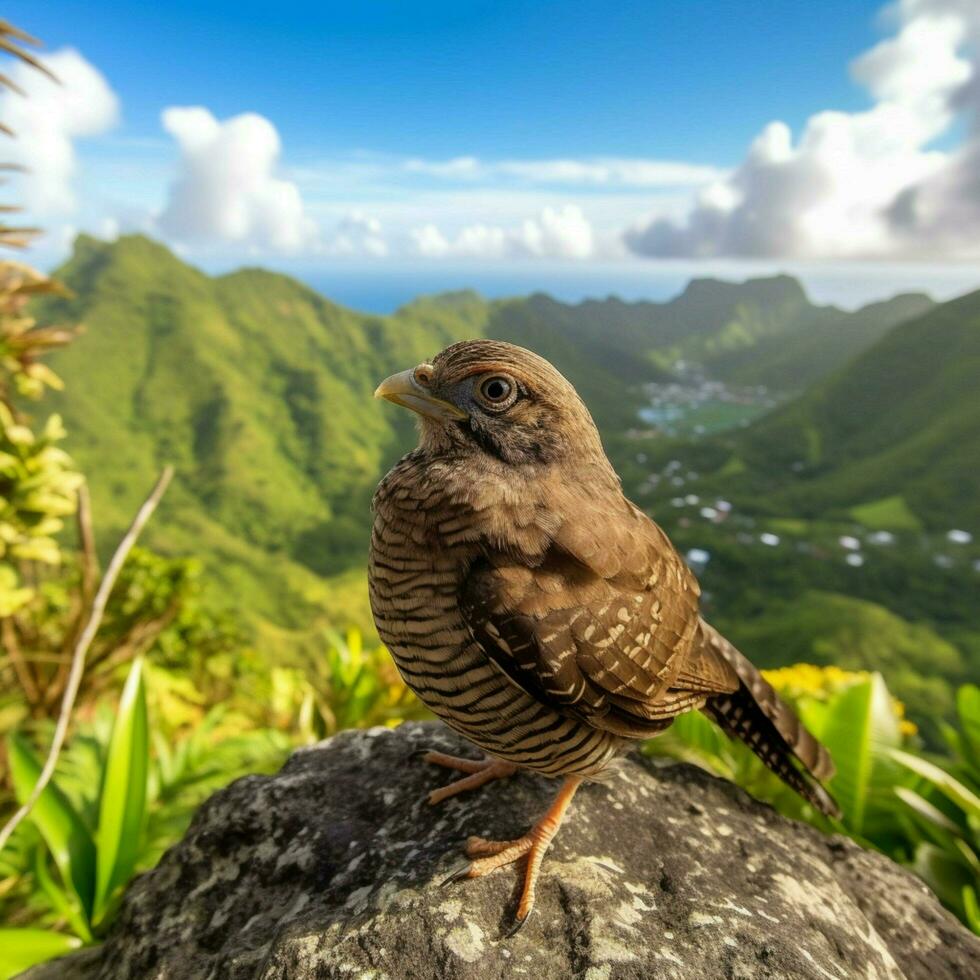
<point x="62" y="828"/>
<point x="122" y="803"/>
<point x="950" y="787"/>
<point x="22" y="948"/>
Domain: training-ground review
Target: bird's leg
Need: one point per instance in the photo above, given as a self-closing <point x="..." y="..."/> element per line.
<point x="489" y="855"/>
<point x="481" y="771"/>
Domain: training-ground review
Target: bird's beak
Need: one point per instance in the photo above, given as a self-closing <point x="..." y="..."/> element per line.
<point x="403" y="389"/>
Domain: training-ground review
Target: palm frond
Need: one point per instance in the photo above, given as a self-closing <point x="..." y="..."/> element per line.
<point x="15" y="43"/>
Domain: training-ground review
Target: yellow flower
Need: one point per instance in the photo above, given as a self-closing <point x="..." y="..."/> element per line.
<point x="807" y="681"/>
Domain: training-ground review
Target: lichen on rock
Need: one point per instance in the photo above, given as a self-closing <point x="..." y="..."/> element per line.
<point x="331" y="869"/>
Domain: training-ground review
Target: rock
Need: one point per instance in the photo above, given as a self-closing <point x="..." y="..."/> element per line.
<point x="331" y="869"/>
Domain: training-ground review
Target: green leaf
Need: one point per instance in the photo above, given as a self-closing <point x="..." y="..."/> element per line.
<point x="943" y="873"/>
<point x="63" y="903"/>
<point x="693" y="738"/>
<point x="22" y="948"/>
<point x="63" y="831"/>
<point x="950" y="787"/>
<point x="926" y="810"/>
<point x="859" y="729"/>
<point x="971" y="908"/>
<point x="122" y="803"/>
<point x="968" y="708"/>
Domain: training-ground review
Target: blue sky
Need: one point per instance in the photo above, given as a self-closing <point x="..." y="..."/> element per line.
<point x="629" y="143"/>
<point x="661" y="79"/>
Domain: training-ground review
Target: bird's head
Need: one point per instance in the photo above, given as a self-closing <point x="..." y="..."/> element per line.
<point x="490" y="397"/>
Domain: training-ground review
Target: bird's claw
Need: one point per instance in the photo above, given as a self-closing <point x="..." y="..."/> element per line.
<point x="460" y="870"/>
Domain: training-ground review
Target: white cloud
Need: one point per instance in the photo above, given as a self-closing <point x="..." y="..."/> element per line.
<point x="453" y="169"/>
<point x="557" y="232"/>
<point x="605" y="172"/>
<point x="563" y="233"/>
<point x="430" y="242"/>
<point x="856" y="184"/>
<point x="47" y="121"/>
<point x="358" y="234"/>
<point x="226" y="190"/>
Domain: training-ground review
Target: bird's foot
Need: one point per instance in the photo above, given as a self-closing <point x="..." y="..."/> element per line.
<point x="481" y="772"/>
<point x="489" y="855"/>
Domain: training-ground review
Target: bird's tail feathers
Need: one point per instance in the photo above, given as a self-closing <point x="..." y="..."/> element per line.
<point x="755" y="714"/>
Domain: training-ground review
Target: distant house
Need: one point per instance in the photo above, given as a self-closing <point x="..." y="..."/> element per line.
<point x="697" y="558"/>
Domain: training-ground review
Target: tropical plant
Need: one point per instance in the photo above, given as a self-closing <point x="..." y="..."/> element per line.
<point x="38" y="483"/>
<point x="346" y="685"/>
<point x="123" y="793"/>
<point x="92" y="860"/>
<point x="15" y="43"/>
<point x="945" y="806"/>
<point x="875" y="749"/>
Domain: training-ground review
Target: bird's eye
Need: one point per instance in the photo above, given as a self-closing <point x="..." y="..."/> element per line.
<point x="496" y="390"/>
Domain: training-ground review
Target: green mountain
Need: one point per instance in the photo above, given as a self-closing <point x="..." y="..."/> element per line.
<point x="889" y="441"/>
<point x="894" y="435"/>
<point x="840" y="631"/>
<point x="259" y="391"/>
<point x="760" y="332"/>
<point x="818" y="340"/>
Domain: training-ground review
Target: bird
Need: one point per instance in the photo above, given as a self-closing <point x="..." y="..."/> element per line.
<point x="536" y="610"/>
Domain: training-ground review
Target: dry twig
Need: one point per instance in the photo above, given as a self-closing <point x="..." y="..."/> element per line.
<point x="81" y="648"/>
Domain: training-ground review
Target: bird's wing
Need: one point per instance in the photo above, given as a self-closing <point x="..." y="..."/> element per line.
<point x="603" y="626"/>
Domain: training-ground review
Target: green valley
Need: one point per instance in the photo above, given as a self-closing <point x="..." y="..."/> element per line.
<point x="259" y="391"/>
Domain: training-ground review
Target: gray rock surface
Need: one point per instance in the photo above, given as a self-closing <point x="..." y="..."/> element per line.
<point x="331" y="869"/>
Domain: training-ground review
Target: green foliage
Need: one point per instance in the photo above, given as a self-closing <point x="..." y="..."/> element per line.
<point x="123" y="792"/>
<point x="157" y="605"/>
<point x="828" y="629"/>
<point x="122" y="800"/>
<point x="38" y="482"/>
<point x="902" y="417"/>
<point x="22" y="948"/>
<point x="93" y="862"/>
<point x="347" y="685"/>
<point x="945" y="806"/>
<point x="259" y="391"/>
<point x="936" y="833"/>
<point x="889" y="513"/>
<point x="859" y="728"/>
<point x="68" y="840"/>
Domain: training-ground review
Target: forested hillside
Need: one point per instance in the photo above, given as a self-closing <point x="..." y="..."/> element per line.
<point x="259" y="391"/>
<point x="903" y="419"/>
<point x="891" y="437"/>
<point x="851" y="514"/>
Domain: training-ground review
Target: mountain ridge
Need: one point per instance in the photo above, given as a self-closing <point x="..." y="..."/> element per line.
<point x="259" y="390"/>
<point x="899" y="422"/>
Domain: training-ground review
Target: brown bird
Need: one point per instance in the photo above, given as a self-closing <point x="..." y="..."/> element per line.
<point x="537" y="611"/>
